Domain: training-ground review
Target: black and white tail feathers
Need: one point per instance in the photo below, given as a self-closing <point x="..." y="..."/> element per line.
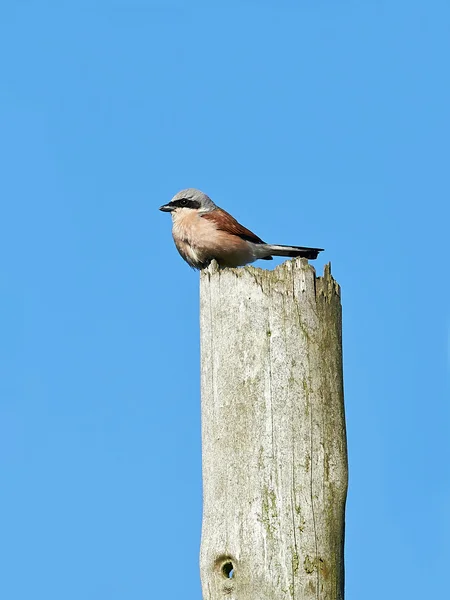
<point x="293" y="251"/>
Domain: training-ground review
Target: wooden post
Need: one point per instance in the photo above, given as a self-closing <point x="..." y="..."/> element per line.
<point x="273" y="434"/>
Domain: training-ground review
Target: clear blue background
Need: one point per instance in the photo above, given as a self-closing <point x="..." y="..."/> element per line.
<point x="317" y="123"/>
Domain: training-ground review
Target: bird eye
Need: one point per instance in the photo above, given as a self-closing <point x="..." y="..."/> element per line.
<point x="183" y="202"/>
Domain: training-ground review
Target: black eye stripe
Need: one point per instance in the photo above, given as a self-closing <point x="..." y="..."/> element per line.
<point x="185" y="203"/>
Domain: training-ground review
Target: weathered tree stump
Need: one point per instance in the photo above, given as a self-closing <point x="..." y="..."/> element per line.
<point x="273" y="434"/>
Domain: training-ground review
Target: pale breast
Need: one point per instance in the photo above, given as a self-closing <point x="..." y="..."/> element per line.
<point x="189" y="226"/>
<point x="191" y="234"/>
<point x="199" y="241"/>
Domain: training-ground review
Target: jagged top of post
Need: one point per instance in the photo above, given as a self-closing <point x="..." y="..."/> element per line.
<point x="324" y="285"/>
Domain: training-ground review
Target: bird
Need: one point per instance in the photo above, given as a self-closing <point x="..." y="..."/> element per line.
<point x="202" y="232"/>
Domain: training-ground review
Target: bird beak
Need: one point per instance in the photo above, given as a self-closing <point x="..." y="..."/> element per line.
<point x="166" y="208"/>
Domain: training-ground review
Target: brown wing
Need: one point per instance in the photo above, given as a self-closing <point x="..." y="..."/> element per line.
<point x="225" y="222"/>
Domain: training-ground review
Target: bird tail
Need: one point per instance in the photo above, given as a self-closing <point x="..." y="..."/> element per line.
<point x="292" y="251"/>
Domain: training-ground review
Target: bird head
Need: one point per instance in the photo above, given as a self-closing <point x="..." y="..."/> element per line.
<point x="189" y="199"/>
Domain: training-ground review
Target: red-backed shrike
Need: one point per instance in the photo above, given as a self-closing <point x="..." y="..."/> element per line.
<point x="203" y="232"/>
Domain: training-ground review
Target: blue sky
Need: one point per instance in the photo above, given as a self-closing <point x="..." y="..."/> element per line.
<point x="316" y="123"/>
